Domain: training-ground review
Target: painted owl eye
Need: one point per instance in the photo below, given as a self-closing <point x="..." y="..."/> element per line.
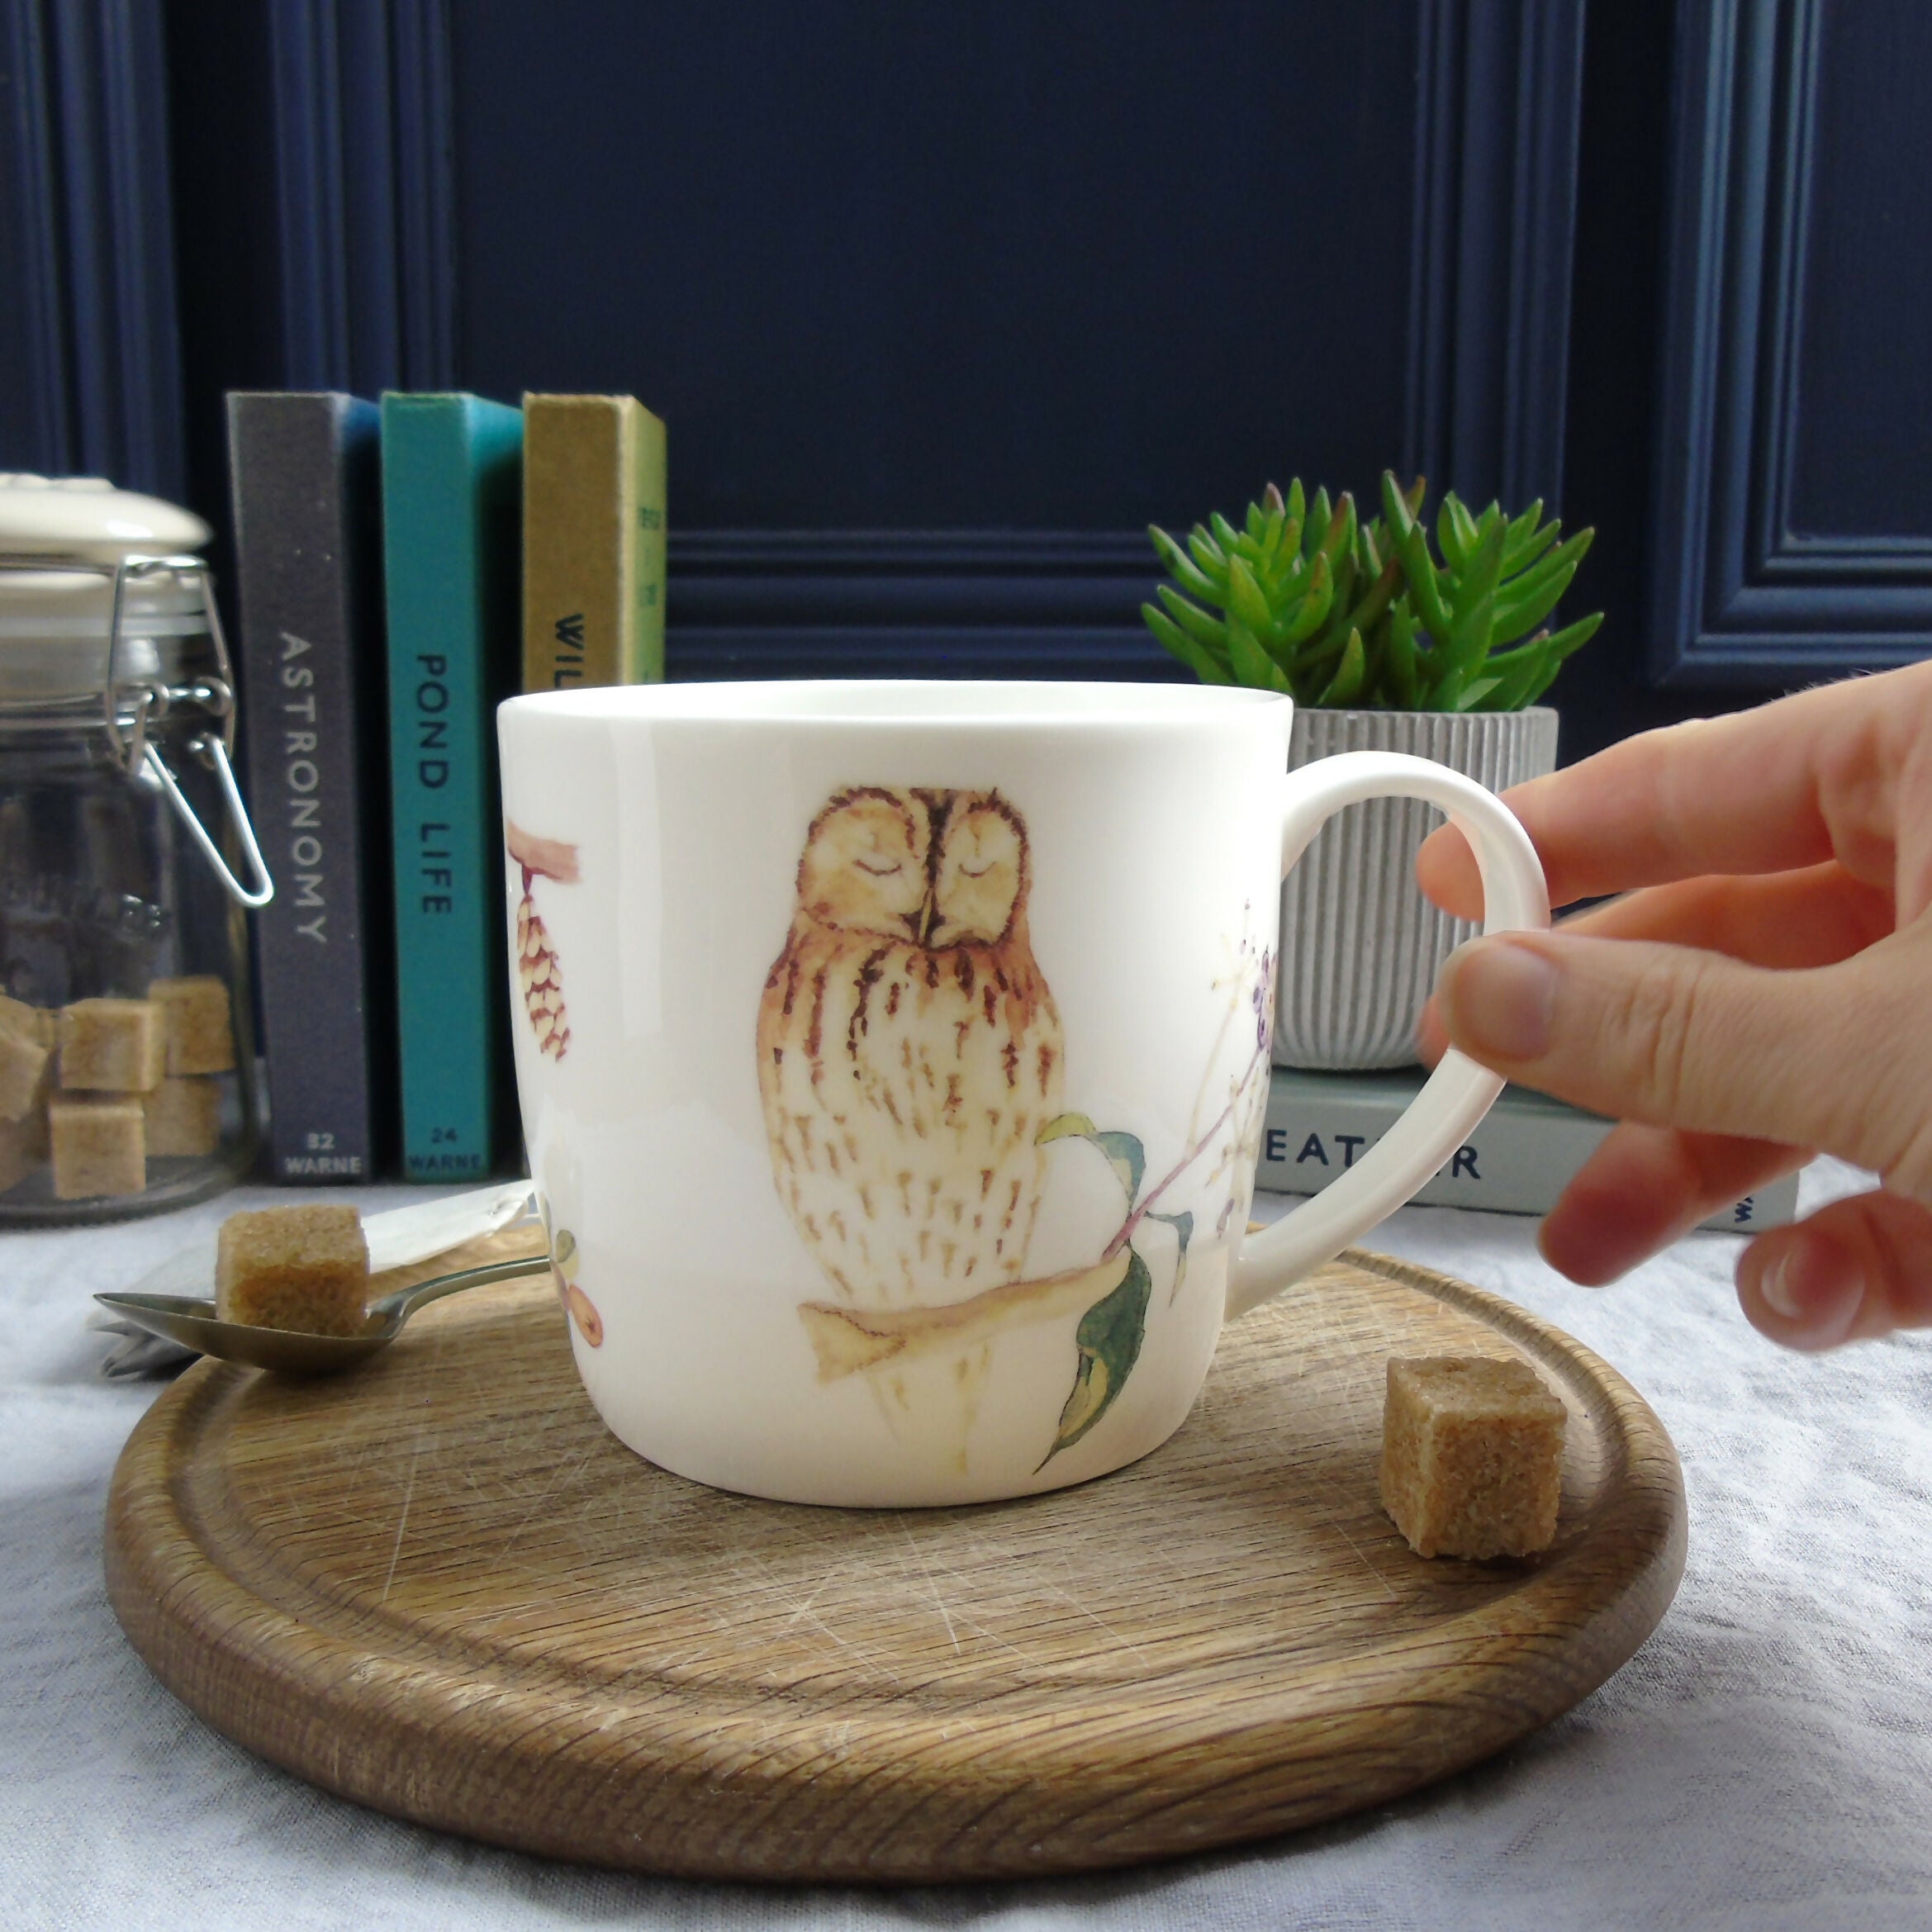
<point x="975" y="872"/>
<point x="877" y="871"/>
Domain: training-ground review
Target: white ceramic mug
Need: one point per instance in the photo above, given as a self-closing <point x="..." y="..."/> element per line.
<point x="893" y="1059"/>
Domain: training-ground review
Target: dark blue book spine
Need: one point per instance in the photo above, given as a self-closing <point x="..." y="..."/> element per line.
<point x="303" y="471"/>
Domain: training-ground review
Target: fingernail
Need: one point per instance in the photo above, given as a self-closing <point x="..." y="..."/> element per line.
<point x="1774" y="1289"/>
<point x="1498" y="997"/>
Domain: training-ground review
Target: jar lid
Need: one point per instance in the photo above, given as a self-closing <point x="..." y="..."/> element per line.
<point x="61" y="539"/>
<point x="87" y="519"/>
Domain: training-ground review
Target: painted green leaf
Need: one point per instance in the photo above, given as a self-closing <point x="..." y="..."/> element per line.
<point x="1108" y="1339"/>
<point x="1126" y="1157"/>
<point x="1123" y="1153"/>
<point x="1182" y="1225"/>
<point x="563" y="1247"/>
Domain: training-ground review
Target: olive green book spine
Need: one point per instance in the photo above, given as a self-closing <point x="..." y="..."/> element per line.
<point x="593" y="542"/>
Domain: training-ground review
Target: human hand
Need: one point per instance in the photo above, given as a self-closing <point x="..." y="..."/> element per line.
<point x="1762" y="991"/>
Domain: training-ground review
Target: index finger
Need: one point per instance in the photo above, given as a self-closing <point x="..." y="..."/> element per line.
<point x="1791" y="784"/>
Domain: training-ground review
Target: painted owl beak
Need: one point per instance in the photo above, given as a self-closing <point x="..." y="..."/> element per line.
<point x="928" y="918"/>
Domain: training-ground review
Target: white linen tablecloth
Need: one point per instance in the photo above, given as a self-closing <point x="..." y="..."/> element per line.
<point x="1763" y="1762"/>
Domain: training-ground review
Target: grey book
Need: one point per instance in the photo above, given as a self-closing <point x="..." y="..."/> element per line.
<point x="307" y="536"/>
<point x="1518" y="1161"/>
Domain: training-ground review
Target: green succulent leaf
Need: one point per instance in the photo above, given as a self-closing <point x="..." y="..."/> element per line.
<point x="1533" y="596"/>
<point x="1395" y="506"/>
<point x="1207" y="554"/>
<point x="1252" y="665"/>
<point x="1478" y="580"/>
<point x="1108" y="1340"/>
<point x="1418" y="567"/>
<point x="1403" y="679"/>
<point x="1198" y="624"/>
<point x="1516" y="561"/>
<point x="1571" y="638"/>
<point x="1346" y="684"/>
<point x="1471" y="696"/>
<point x="1184" y="570"/>
<point x="1517" y="673"/>
<point x="1338" y="542"/>
<point x="1523" y="531"/>
<point x="1197" y="658"/>
<point x="1315" y="525"/>
<point x="1246" y="604"/>
<point x="1225" y="533"/>
<point x="1317" y="600"/>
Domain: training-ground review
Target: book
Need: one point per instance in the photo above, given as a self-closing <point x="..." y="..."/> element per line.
<point x="593" y="542"/>
<point x="451" y="473"/>
<point x="303" y="484"/>
<point x="1520" y="1158"/>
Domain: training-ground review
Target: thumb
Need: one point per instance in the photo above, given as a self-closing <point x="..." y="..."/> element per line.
<point x="1856" y="1268"/>
<point x="1835" y="1058"/>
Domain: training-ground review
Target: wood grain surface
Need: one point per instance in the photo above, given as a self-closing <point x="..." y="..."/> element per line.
<point x="437" y="1585"/>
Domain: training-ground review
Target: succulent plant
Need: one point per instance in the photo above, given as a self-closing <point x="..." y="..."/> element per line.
<point x="1309" y="599"/>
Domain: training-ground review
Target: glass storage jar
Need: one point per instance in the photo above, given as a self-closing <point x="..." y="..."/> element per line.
<point x="127" y="1067"/>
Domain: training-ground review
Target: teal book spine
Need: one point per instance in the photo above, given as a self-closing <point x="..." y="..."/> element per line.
<point x="451" y="524"/>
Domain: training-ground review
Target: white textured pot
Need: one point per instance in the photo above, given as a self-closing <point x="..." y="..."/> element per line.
<point x="1360" y="944"/>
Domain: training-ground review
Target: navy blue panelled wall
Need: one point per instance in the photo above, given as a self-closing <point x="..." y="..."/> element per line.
<point x="944" y="305"/>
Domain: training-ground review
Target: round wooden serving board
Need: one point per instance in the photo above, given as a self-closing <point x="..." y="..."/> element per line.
<point x="438" y="1586"/>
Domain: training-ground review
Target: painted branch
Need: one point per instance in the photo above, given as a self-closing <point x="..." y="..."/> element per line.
<point x="549" y="858"/>
<point x="848" y="1340"/>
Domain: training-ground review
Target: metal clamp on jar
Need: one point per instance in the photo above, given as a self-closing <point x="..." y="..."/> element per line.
<point x="127" y="1067"/>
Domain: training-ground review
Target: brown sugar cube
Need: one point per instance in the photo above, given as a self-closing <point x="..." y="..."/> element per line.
<point x="23" y="1072"/>
<point x="200" y="1037"/>
<point x="18" y="1153"/>
<point x="99" y="1145"/>
<point x="183" y="1117"/>
<point x="30" y="1022"/>
<point x="113" y="1046"/>
<point x="301" y="1268"/>
<point x="1472" y="1456"/>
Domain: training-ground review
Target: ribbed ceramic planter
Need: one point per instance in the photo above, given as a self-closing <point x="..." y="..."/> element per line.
<point x="1360" y="944"/>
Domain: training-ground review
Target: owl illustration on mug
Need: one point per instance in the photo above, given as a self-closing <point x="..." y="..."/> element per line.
<point x="908" y="1048"/>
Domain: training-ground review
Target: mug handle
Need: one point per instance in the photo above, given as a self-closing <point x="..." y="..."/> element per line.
<point x="1457" y="1095"/>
